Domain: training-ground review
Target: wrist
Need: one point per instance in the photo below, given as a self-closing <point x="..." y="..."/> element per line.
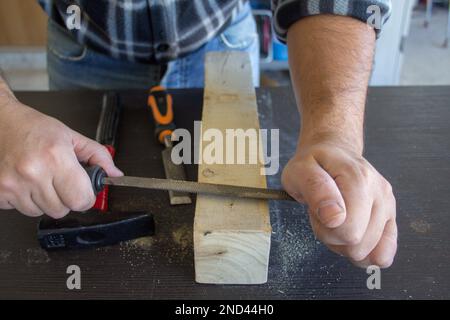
<point x="350" y="141"/>
<point x="334" y="124"/>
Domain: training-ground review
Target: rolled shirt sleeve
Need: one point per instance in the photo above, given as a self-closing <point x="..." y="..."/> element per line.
<point x="287" y="12"/>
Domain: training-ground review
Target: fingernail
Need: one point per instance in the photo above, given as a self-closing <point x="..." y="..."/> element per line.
<point x="329" y="213"/>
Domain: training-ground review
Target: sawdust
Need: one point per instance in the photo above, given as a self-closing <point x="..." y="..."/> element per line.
<point x="296" y="249"/>
<point x="183" y="237"/>
<point x="4" y="256"/>
<point x="182" y="245"/>
<point x="139" y="252"/>
<point x="296" y="246"/>
<point x="37" y="256"/>
<point x="144" y="243"/>
<point x="420" y="226"/>
<point x="136" y="252"/>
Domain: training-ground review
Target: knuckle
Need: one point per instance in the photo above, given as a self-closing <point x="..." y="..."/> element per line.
<point x="383" y="260"/>
<point x="81" y="196"/>
<point x="350" y="169"/>
<point x="82" y="202"/>
<point x="352" y="236"/>
<point x="394" y="209"/>
<point x="52" y="152"/>
<point x="391" y="212"/>
<point x="358" y="170"/>
<point x="104" y="150"/>
<point x="72" y="203"/>
<point x="32" y="213"/>
<point x="87" y="204"/>
<point x="7" y="184"/>
<point x="357" y="254"/>
<point x="387" y="187"/>
<point x="58" y="214"/>
<point x="28" y="168"/>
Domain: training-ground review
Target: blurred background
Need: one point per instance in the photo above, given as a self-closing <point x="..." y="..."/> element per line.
<point x="413" y="49"/>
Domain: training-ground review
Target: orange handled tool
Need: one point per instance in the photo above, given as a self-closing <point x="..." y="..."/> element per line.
<point x="161" y="104"/>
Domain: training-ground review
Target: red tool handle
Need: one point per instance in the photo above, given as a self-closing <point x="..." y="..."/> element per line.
<point x="101" y="203"/>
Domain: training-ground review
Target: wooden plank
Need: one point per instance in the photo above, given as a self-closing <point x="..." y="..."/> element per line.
<point x="231" y="236"/>
<point x="22" y="23"/>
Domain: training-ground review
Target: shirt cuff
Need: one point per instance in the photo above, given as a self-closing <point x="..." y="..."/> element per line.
<point x="287" y="12"/>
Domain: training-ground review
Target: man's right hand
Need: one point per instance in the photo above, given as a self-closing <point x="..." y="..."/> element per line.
<point x="40" y="171"/>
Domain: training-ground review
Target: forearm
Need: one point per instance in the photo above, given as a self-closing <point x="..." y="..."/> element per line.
<point x="350" y="204"/>
<point x="330" y="60"/>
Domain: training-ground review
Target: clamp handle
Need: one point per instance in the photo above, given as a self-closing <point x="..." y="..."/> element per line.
<point x="107" y="130"/>
<point x="96" y="175"/>
<point x="161" y="104"/>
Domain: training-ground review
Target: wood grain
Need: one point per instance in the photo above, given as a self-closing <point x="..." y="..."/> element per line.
<point x="22" y="23"/>
<point x="231" y="236"/>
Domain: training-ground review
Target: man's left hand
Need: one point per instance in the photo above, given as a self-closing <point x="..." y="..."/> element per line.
<point x="352" y="208"/>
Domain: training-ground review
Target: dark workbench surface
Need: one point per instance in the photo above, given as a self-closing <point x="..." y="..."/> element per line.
<point x="407" y="138"/>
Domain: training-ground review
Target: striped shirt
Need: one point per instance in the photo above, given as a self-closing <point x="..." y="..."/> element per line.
<point x="286" y="12"/>
<point x="162" y="30"/>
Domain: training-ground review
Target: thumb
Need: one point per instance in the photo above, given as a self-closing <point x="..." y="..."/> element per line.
<point x="93" y="153"/>
<point x="318" y="189"/>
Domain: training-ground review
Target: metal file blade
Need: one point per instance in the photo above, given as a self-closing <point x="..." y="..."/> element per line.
<point x="199" y="188"/>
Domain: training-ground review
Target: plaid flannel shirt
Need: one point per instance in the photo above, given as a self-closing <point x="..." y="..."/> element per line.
<point x="287" y="12"/>
<point x="162" y="30"/>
